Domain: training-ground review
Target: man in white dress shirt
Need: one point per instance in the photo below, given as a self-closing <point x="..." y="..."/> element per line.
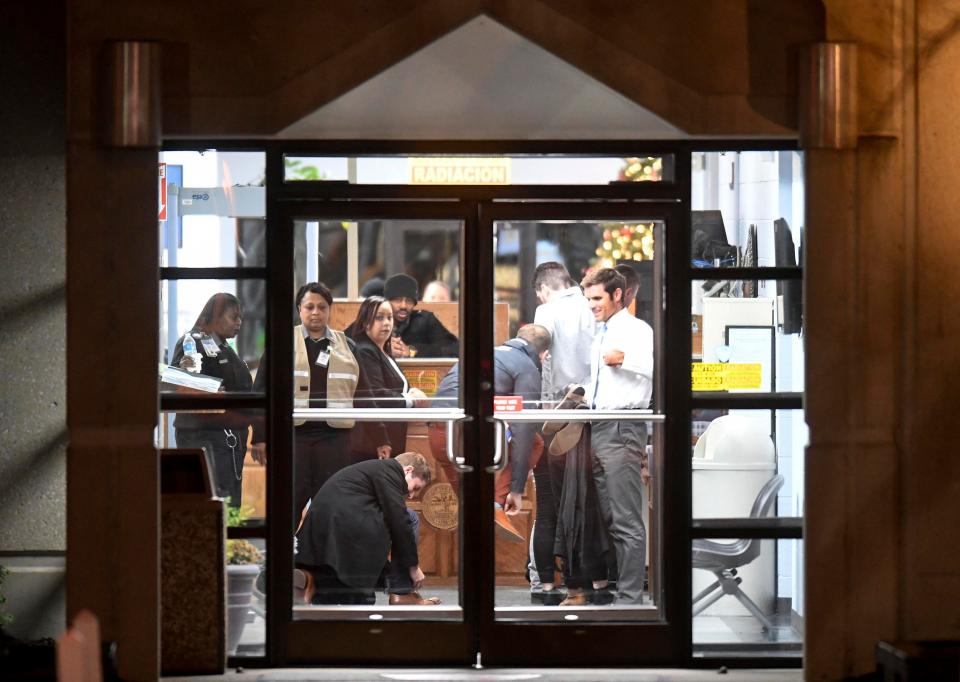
<point x="621" y="378"/>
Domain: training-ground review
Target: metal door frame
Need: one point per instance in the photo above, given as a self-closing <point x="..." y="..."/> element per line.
<point x="284" y="196"/>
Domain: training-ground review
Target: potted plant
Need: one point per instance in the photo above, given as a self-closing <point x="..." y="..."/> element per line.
<point x="23" y="659"/>
<point x="243" y="566"/>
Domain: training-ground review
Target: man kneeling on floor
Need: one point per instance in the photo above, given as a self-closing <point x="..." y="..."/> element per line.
<point x="353" y="523"/>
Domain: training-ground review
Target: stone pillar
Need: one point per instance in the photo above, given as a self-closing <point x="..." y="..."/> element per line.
<point x="931" y="464"/>
<point x="883" y="496"/>
<point x="112" y="332"/>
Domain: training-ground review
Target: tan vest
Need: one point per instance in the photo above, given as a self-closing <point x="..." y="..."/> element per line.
<point x="342" y="375"/>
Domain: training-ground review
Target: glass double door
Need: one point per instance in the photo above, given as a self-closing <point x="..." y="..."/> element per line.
<point x="478" y="431"/>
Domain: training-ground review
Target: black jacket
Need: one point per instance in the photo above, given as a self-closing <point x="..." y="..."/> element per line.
<point x="229" y="367"/>
<point x="380" y="386"/>
<point x="427" y="334"/>
<point x="355" y="520"/>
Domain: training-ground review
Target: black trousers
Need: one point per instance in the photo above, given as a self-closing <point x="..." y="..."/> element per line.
<point x="227" y="462"/>
<point x="548" y="478"/>
<point x="317" y="455"/>
<point x="329" y="589"/>
<point x="398" y="578"/>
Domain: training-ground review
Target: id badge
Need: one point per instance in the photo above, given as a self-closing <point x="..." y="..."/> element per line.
<point x="210" y="347"/>
<point x="323" y="358"/>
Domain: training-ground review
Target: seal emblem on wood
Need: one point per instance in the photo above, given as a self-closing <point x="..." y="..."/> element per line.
<point x="440" y="506"/>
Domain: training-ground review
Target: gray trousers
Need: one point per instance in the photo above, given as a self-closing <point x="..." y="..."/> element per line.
<point x="618" y="447"/>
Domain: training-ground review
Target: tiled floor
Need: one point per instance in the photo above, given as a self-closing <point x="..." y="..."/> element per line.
<point x="712" y="635"/>
<point x="499" y="675"/>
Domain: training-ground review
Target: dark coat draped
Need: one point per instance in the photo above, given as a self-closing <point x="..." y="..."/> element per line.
<point x="355" y="520"/>
<point x="381" y="387"/>
<point x="581" y="539"/>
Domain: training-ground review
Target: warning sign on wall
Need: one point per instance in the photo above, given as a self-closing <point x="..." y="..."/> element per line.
<point x="508" y="403"/>
<point x="427" y="380"/>
<point x="162" y="214"/>
<point x="726" y="376"/>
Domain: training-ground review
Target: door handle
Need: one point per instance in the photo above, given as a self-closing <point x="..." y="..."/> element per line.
<point x="501" y="452"/>
<point x="456" y="460"/>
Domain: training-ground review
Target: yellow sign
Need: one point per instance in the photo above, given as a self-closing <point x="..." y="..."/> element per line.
<point x="459" y="171"/>
<point x="726" y="376"/>
<point x="427" y="380"/>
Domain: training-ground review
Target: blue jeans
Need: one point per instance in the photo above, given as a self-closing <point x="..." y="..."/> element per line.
<point x="398" y="579"/>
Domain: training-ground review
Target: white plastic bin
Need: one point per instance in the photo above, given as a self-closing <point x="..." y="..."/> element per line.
<point x="731" y="462"/>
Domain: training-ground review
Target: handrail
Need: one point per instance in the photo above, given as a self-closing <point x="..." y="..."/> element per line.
<point x="501" y="451"/>
<point x="582" y="415"/>
<point x="373" y="414"/>
<point x="419" y="414"/>
<point x="456" y="460"/>
<point x="450" y="416"/>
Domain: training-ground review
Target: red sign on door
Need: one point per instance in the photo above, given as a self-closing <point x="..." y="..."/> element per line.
<point x="162" y="214"/>
<point x="508" y="403"/>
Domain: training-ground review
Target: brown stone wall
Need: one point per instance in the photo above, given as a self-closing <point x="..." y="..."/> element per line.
<point x="883" y="485"/>
<point x="931" y="469"/>
<point x="712" y="67"/>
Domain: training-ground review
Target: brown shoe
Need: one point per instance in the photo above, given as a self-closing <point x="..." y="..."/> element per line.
<point x="505" y="529"/>
<point x="573" y="397"/>
<point x="302" y="586"/>
<point x="566" y="439"/>
<point x="412" y="599"/>
<point x="576" y="600"/>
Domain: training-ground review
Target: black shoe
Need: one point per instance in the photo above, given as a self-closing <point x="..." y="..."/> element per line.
<point x="548" y="598"/>
<point x="602" y="597"/>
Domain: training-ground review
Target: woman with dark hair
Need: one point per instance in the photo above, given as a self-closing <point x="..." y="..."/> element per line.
<point x="223" y="435"/>
<point x="382" y="383"/>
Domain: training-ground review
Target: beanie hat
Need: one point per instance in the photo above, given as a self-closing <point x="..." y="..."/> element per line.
<point x="373" y="287"/>
<point x="401" y="286"/>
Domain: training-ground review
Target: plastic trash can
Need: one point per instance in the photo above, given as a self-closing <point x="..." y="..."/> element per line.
<point x="732" y="460"/>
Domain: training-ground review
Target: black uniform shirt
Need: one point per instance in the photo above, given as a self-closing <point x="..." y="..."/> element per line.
<point x="318" y="372"/>
<point x="225" y="365"/>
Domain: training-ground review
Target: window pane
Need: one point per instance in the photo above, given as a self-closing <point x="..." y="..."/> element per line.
<point x="747" y="209"/>
<point x="212" y="209"/>
<point x="548" y="500"/>
<point x="330" y="251"/>
<point x="736" y="452"/>
<point x="436" y="508"/>
<point x="227" y="437"/>
<point x="397" y="360"/>
<point x="192" y="528"/>
<point x="747" y="336"/>
<point x="226" y="320"/>
<point x="247" y="621"/>
<point x="748" y="598"/>
<point x="475" y="170"/>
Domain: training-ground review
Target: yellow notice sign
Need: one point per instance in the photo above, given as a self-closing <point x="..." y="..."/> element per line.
<point x="427" y="380"/>
<point x="726" y="376"/>
<point x="459" y="171"/>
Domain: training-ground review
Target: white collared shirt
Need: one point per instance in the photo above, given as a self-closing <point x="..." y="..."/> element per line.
<point x="630" y="385"/>
<point x="406" y="385"/>
<point x="571" y="325"/>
